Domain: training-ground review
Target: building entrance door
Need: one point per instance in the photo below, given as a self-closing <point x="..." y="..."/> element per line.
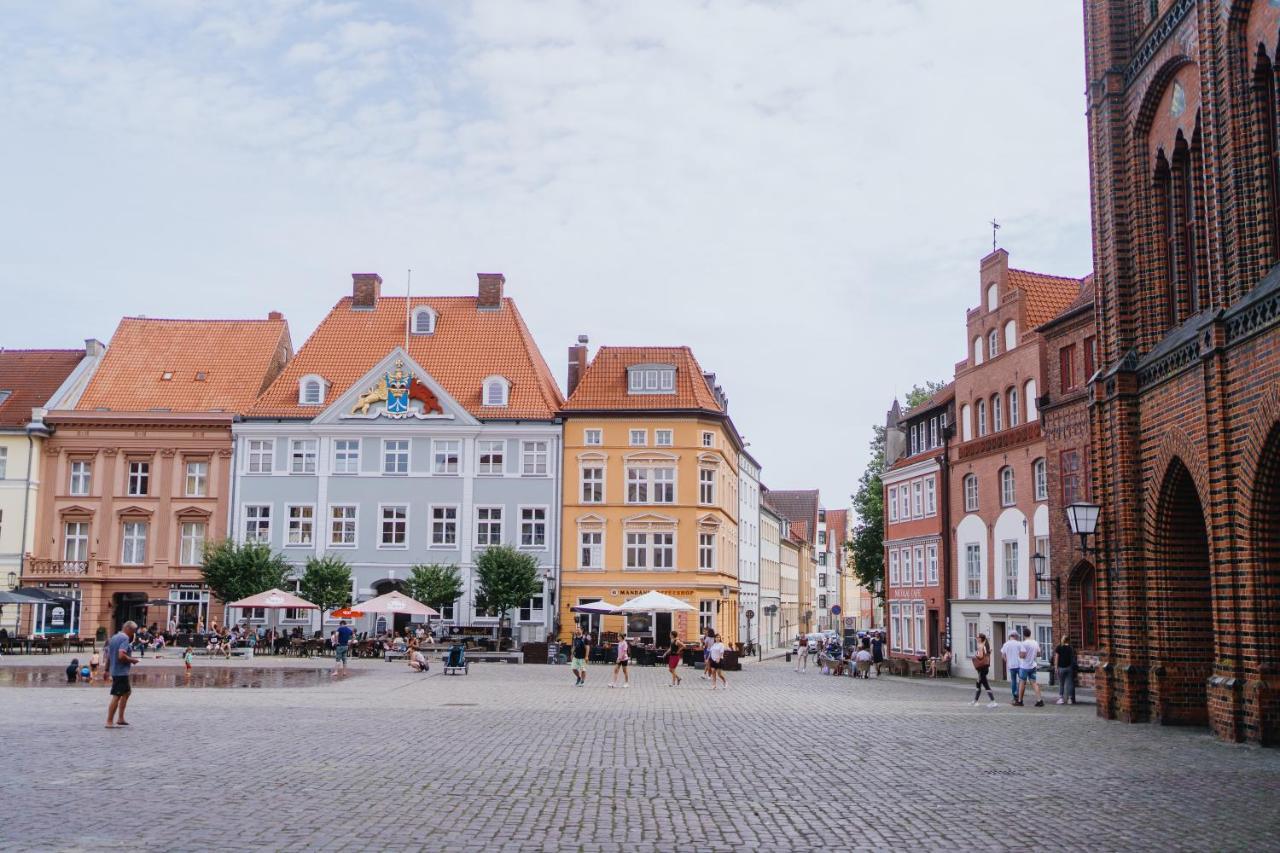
<point x="129" y="607"/>
<point x="934" y="651"/>
<point x="998" y="636"/>
<point x="662" y="628"/>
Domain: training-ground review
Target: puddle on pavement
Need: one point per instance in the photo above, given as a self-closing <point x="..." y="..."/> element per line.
<point x="214" y="676"/>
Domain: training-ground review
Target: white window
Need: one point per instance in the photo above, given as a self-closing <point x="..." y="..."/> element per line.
<point x="894" y="578"/>
<point x="930" y="496"/>
<point x="664" y="550"/>
<point x="1044" y="638"/>
<point x="904" y="502"/>
<point x="895" y="626"/>
<point x="139" y="478"/>
<point x="424" y="321"/>
<point x="257" y="523"/>
<point x="708" y="439"/>
<point x="4" y="459"/>
<point x="997" y="413"/>
<point x="1029" y="391"/>
<point x="977" y="351"/>
<point x="445" y="457"/>
<point x="261" y="456"/>
<point x="496" y="391"/>
<point x="1008" y="493"/>
<point x="491" y="456"/>
<point x="915" y="448"/>
<point x="197" y="483"/>
<point x="982" y="417"/>
<point x="637" y="550"/>
<point x="534" y="456"/>
<point x="592" y="485"/>
<point x="893" y="503"/>
<point x="75" y="541"/>
<point x="973" y="570"/>
<point x="637" y="437"/>
<point x="931" y="564"/>
<point x="342" y="525"/>
<point x="971" y="493"/>
<point x="993" y="297"/>
<point x="1010" y="335"/>
<point x="533" y="527"/>
<point x="591" y="552"/>
<point x="310" y="391"/>
<point x="993" y="344"/>
<point x="593" y="437"/>
<point x="933" y="432"/>
<point x="917" y="499"/>
<point x="970" y="638"/>
<point x="663" y="438"/>
<point x="395" y="456"/>
<point x="488" y="526"/>
<point x="638" y="485"/>
<point x="919" y="554"/>
<point x="706" y="616"/>
<point x="444" y="526"/>
<point x="134" y="550"/>
<point x="1041" y="476"/>
<point x="1042" y="548"/>
<point x="346" y="456"/>
<point x="81" y="476"/>
<point x="1014" y="414"/>
<point x="395" y="527"/>
<point x="191" y="543"/>
<point x="706" y="551"/>
<point x="1010" y="568"/>
<point x="706" y="486"/>
<point x="302" y="456"/>
<point x="664" y="485"/>
<point x="922" y="642"/>
<point x="301" y="531"/>
<point x="966" y="423"/>
<point x="531" y="610"/>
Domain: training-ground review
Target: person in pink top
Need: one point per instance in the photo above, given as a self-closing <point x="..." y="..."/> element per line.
<point x="620" y="664"/>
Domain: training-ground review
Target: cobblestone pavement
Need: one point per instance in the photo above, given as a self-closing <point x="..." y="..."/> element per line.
<point x="516" y="758"/>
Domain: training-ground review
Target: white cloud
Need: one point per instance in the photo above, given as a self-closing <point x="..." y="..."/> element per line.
<point x="307" y="52"/>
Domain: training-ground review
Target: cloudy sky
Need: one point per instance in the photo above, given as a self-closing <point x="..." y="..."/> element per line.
<point x="799" y="191"/>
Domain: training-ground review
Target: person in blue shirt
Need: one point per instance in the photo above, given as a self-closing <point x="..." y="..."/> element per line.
<point x="119" y="661"/>
<point x="344" y="642"/>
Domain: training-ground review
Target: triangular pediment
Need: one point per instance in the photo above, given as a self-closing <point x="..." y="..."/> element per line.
<point x="395" y="390"/>
<point x="649" y="518"/>
<point x="133" y="510"/>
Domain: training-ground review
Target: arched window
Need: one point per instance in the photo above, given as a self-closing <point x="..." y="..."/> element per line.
<point x="496" y="390"/>
<point x="1040" y="474"/>
<point x="1014" y="414"/>
<point x="997" y="413"/>
<point x="424" y="321"/>
<point x="982" y="417"/>
<point x="993" y="297"/>
<point x="971" y="493"/>
<point x="1008" y="492"/>
<point x="1268" y="125"/>
<point x="966" y="422"/>
<point x="977" y="350"/>
<point x="993" y="344"/>
<point x="311" y="391"/>
<point x="1029" y="390"/>
<point x="1010" y="335"/>
<point x="1084" y="601"/>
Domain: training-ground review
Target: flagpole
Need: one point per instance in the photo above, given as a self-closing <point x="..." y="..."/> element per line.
<point x="407" y="285"/>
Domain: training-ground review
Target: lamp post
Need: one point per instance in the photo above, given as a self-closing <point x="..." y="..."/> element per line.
<point x="1040" y="561"/>
<point x="1082" y="519"/>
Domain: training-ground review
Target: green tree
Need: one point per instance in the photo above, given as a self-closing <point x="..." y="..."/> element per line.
<point x="234" y="571"/>
<point x="326" y="582"/>
<point x="506" y="578"/>
<point x="866" y="547"/>
<point x="434" y="584"/>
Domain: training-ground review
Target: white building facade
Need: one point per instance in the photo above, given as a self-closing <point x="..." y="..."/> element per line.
<point x="748" y="548"/>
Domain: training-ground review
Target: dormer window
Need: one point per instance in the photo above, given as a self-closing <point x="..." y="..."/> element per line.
<point x="651" y="379"/>
<point x="424" y="321"/>
<point x="496" y="390"/>
<point x="311" y="391"/>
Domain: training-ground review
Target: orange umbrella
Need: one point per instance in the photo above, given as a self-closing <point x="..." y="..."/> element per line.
<point x="346" y="613"/>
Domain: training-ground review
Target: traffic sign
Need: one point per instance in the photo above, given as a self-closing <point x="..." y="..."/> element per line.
<point x="835" y="610"/>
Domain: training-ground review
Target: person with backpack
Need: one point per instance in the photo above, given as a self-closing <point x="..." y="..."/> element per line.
<point x="982" y="663"/>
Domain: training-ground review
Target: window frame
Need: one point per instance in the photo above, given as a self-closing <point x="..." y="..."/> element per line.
<point x="595" y="550"/>
<point x="439" y="525"/>
<point x="303" y="524"/>
<point x="973" y="570"/>
<point x="85" y="477"/>
<point x="1008" y="487"/>
<point x="344" y="458"/>
<point x="593" y="437"/>
<point x="1040" y="477"/>
<point x="895" y="578"/>
<point x="707" y="550"/>
<point x="80" y="538"/>
<point x="382" y="544"/>
<point x="387" y="458"/>
<point x="257" y="451"/>
<point x="296" y="455"/>
<point x="1010" y="568"/>
<point x="418" y="313"/>
<point x="134" y="559"/>
<point x="485" y="447"/>
<point x="200" y="478"/>
<point x="263" y="531"/>
<point x="441" y="446"/>
<point x="596" y="485"/>
<point x="637" y="437"/>
<point x="354" y="521"/>
<point x="706" y="486"/>
<point x="484" y="526"/>
<point x="664" y="438"/>
<point x="194" y="555"/>
<point x="138" y="478"/>
<point x="527" y="454"/>
<point x="971" y="497"/>
<point x="544" y="521"/>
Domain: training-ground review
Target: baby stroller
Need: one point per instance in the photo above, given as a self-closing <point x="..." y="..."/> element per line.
<point x="456" y="661"/>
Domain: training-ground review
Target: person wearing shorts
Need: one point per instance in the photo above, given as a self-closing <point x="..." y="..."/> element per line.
<point x="716" y="654"/>
<point x="1030" y="651"/>
<point x="673" y="658"/>
<point x="119" y="662"/>
<point x="343" y="645"/>
<point x="578" y="662"/>
<point x="620" y="665"/>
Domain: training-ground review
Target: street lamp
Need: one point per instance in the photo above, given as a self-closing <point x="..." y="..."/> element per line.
<point x="1082" y="518"/>
<point x="1040" y="562"/>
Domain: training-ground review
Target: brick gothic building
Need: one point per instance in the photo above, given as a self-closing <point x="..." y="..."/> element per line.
<point x="1185" y="419"/>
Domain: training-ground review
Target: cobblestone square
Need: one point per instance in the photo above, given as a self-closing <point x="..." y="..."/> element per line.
<point x="517" y="758"/>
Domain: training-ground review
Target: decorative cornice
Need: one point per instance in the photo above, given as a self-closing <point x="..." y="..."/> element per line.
<point x="1160" y="34"/>
<point x="1002" y="440"/>
<point x="1169" y="365"/>
<point x="1257" y="311"/>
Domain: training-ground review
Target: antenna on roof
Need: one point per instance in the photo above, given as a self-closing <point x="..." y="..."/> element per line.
<point x="995" y="226"/>
<point x="407" y="284"/>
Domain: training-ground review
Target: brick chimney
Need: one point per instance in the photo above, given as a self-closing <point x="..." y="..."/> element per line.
<point x="366" y="287"/>
<point x="274" y="315"/>
<point x="577" y="363"/>
<point x="490" y="295"/>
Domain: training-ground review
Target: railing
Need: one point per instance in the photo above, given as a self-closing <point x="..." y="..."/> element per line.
<point x="40" y="567"/>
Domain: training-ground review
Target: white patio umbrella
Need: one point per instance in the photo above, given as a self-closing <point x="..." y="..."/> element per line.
<point x="274" y="599"/>
<point x="596" y="608"/>
<point x="653" y="602"/>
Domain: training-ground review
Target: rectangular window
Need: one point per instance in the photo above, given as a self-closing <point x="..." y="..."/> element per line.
<point x="997" y="414"/>
<point x="75" y="541"/>
<point x="346" y="456"/>
<point x="1008" y="492"/>
<point x="531" y="610"/>
<point x="706" y="486"/>
<point x="904" y="502"/>
<point x="893" y="503"/>
<point x="637" y="485"/>
<point x="971" y="493"/>
<point x="1042" y="548"/>
<point x="922" y="642"/>
<point x="895" y="626"/>
<point x="970" y="638"/>
<point x="914" y="448"/>
<point x="257" y="523"/>
<point x="395" y="456"/>
<point x="706" y="616"/>
<point x="931" y="564"/>
<point x="342" y="525"/>
<point x="301" y="525"/>
<point x="662" y="438"/>
<point x="395" y="527"/>
<point x="933" y="432"/>
<point x="973" y="570"/>
<point x="197" y="484"/>
<point x="592" y="437"/>
<point x="191" y="543"/>
<point x="894" y="579"/>
<point x="822" y="579"/>
<point x="488" y="526"/>
<point x="637" y="550"/>
<point x="444" y="526"/>
<point x="1010" y="569"/>
<point x="491" y="457"/>
<point x="822" y="601"/>
<point x="302" y="456"/>
<point x="1090" y="357"/>
<point x="591" y="553"/>
<point x="534" y="458"/>
<point x="139" y="478"/>
<point x="445" y="457"/>
<point x="1040" y="471"/>
<point x="261" y="456"/>
<point x="1044" y="638"/>
<point x="706" y="551"/>
<point x="1014" y="407"/>
<point x="919" y="553"/>
<point x="708" y="439"/>
<point x="664" y="485"/>
<point x="930" y="496"/>
<point x="917" y="499"/>
<point x="81" y="475"/>
<point x="637" y="437"/>
<point x="664" y="550"/>
<point x="134" y="550"/>
<point x="533" y="527"/>
<point x="1071" y="472"/>
<point x="1066" y="364"/>
<point x="592" y="485"/>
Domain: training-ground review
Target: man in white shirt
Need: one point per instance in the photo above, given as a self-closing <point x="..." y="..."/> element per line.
<point x="1011" y="651"/>
<point x="1030" y="651"/>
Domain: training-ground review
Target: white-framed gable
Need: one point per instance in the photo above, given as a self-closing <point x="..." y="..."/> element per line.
<point x="366" y="400"/>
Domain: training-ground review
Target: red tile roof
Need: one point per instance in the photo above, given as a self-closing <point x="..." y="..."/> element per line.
<point x="798" y="507"/>
<point x="467" y="346"/>
<point x="211" y="365"/>
<point x="837" y="525"/>
<point x="31" y="376"/>
<point x="603" y="385"/>
<point x="1046" y="296"/>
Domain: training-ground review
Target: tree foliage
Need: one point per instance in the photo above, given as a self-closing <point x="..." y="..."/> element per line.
<point x="234" y="571"/>
<point x="434" y="584"/>
<point x="506" y="578"/>
<point x="327" y="582"/>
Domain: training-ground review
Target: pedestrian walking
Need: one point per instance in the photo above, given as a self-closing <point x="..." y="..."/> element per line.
<point x="1030" y="651"/>
<point x="1011" y="651"/>
<point x="620" y="664"/>
<point x="982" y="663"/>
<point x="578" y="658"/>
<point x="673" y="658"/>
<point x="1064" y="660"/>
<point x="802" y="654"/>
<point x="708" y="640"/>
<point x="119" y="661"/>
<point x="716" y="654"/>
<point x="342" y="645"/>
<point x="877" y="652"/>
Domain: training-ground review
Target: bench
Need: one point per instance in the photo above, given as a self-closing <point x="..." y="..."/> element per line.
<point x="494" y="657"/>
<point x="388" y="655"/>
<point x="245" y="652"/>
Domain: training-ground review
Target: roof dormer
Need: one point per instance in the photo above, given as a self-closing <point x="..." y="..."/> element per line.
<point x="651" y="379"/>
<point x="423" y="321"/>
<point x="311" y="390"/>
<point x="496" y="391"/>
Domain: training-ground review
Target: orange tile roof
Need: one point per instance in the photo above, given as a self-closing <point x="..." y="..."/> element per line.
<point x="837" y="525"/>
<point x="1046" y="296"/>
<point x="467" y="346"/>
<point x="31" y="376"/>
<point x="603" y="385"/>
<point x="236" y="357"/>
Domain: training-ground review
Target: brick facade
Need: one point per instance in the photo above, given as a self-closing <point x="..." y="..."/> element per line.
<point x="1185" y="415"/>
